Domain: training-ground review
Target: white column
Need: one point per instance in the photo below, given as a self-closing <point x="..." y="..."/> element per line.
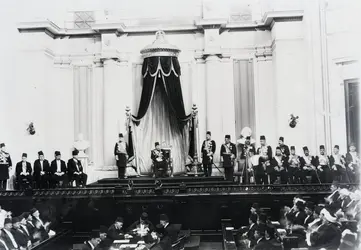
<point x="112" y="109"/>
<point x="126" y="98"/>
<point x="227" y="93"/>
<point x="199" y="96"/>
<point x="97" y="143"/>
<point x="214" y="94"/>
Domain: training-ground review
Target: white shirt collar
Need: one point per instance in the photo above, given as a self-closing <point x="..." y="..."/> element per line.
<point x="259" y="240"/>
<point x="11" y="238"/>
<point x="166" y="224"/>
<point x="91" y="245"/>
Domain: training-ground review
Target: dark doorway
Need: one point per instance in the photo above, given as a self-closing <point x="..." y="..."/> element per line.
<point x="352" y="109"/>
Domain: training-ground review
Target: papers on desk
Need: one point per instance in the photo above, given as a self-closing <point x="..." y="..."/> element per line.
<point x="275" y="223"/>
<point x="120" y="241"/>
<point x="128" y="245"/>
<point x="229" y="228"/>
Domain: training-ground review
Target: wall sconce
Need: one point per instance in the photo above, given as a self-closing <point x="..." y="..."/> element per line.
<point x="31" y="128"/>
<point x="293" y="121"/>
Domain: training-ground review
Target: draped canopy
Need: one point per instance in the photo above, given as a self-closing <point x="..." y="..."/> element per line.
<point x="161" y="115"/>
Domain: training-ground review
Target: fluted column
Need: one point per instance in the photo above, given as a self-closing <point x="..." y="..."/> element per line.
<point x="214" y="93"/>
<point x="97" y="143"/>
<point x="112" y="108"/>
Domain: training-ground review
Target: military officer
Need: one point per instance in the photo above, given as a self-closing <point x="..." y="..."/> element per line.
<point x="208" y="149"/>
<point x="5" y="165"/>
<point x="228" y="155"/>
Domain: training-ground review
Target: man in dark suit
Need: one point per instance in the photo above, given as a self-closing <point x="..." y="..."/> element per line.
<point x="264" y="148"/>
<point x="23" y="172"/>
<point x="30" y="225"/>
<point x="75" y="170"/>
<point x="142" y="222"/>
<point x="121" y="153"/>
<point x="322" y="162"/>
<point x="309" y="207"/>
<point x="160" y="240"/>
<point x="93" y="241"/>
<point x="170" y="229"/>
<point x="41" y="227"/>
<point x="300" y="214"/>
<point x="338" y="166"/>
<point x="294" y="167"/>
<point x="353" y="164"/>
<point x="58" y="171"/>
<point x="105" y="241"/>
<point x="228" y="156"/>
<point x="24" y="226"/>
<point x="115" y="231"/>
<point x="259" y="235"/>
<point x="208" y="149"/>
<point x="21" y="238"/>
<point x="8" y="236"/>
<point x="42" y="171"/>
<point x="3" y="245"/>
<point x="159" y="161"/>
<point x="5" y="165"/>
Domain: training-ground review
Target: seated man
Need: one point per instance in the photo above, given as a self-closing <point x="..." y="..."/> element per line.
<point x="278" y="171"/>
<point x="294" y="169"/>
<point x="23" y="172"/>
<point x="338" y="166"/>
<point x="22" y="239"/>
<point x="159" y="161"/>
<point x="353" y="164"/>
<point x="58" y="171"/>
<point x="171" y="229"/>
<point x="93" y="241"/>
<point x="42" y="171"/>
<point x="115" y="231"/>
<point x="159" y="240"/>
<point x="142" y="225"/>
<point x="309" y="164"/>
<point x="75" y="170"/>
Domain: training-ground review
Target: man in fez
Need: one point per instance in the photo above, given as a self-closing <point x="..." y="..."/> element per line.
<point x="159" y="162"/>
<point x="338" y="166"/>
<point x="23" y="172"/>
<point x="322" y="163"/>
<point x="284" y="148"/>
<point x="228" y="155"/>
<point x="121" y="152"/>
<point x="41" y="171"/>
<point x="5" y="164"/>
<point x="264" y="149"/>
<point x="208" y="149"/>
<point x="75" y="170"/>
<point x="309" y="166"/>
<point x="58" y="170"/>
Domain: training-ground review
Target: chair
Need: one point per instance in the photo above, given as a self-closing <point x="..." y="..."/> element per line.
<point x="167" y="154"/>
<point x="180" y="242"/>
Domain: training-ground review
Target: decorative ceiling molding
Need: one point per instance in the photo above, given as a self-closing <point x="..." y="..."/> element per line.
<point x="54" y="31"/>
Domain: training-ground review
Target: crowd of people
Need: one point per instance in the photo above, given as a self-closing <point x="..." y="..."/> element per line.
<point x="330" y="224"/>
<point x="42" y="174"/>
<point x="23" y="231"/>
<point x="285" y="166"/>
<point x="142" y="232"/>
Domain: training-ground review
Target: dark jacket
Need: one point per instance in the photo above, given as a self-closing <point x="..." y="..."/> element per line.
<point x="53" y="166"/>
<point x="313" y="161"/>
<point x="261" y="245"/>
<point x="137" y="224"/>
<point x="308" y="220"/>
<point x="2" y="246"/>
<point x="72" y="167"/>
<point x="204" y="150"/>
<point x="285" y="150"/>
<point x="243" y="150"/>
<point x="19" y="168"/>
<point x="274" y="163"/>
<point x="20" y="237"/>
<point x="37" y="168"/>
<point x="114" y="233"/>
<point x="7" y="239"/>
<point x="172" y="232"/>
<point x="328" y="236"/>
<point x="227" y="161"/>
<point x="86" y="246"/>
<point x="299" y="218"/>
<point x="5" y="163"/>
<point x="269" y="152"/>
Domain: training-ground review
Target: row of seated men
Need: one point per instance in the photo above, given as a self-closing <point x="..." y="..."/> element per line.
<point x="332" y="224"/>
<point x="159" y="237"/>
<point x="24" y="231"/>
<point x="46" y="175"/>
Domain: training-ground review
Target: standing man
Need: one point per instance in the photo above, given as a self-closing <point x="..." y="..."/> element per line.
<point x="121" y="151"/>
<point x="323" y="166"/>
<point x="264" y="148"/>
<point x="75" y="170"/>
<point x="338" y="166"/>
<point x="23" y="172"/>
<point x="228" y="155"/>
<point x="353" y="164"/>
<point x="5" y="165"/>
<point x="208" y="149"/>
<point x="58" y="170"/>
<point x="42" y="171"/>
<point x="284" y="148"/>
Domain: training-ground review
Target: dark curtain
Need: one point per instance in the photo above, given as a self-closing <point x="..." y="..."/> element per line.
<point x="170" y="71"/>
<point x="192" y="127"/>
<point x="130" y="142"/>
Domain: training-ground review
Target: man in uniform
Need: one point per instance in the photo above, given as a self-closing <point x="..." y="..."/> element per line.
<point x="42" y="171"/>
<point x="121" y="152"/>
<point x="353" y="164"/>
<point x="23" y="172"/>
<point x="264" y="147"/>
<point x="5" y="164"/>
<point x="294" y="170"/>
<point x="284" y="148"/>
<point x="228" y="155"/>
<point x="338" y="166"/>
<point x="75" y="170"/>
<point x="208" y="149"/>
<point x="308" y="164"/>
<point x="159" y="161"/>
<point x="279" y="167"/>
<point x="323" y="166"/>
<point x="58" y="170"/>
